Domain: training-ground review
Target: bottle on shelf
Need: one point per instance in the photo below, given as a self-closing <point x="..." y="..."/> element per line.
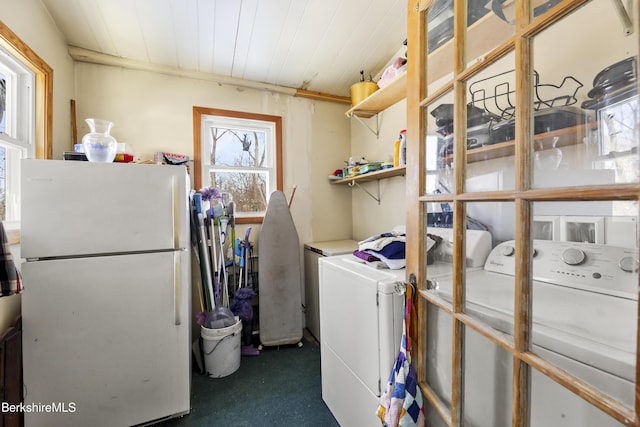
<point x="403" y="147"/>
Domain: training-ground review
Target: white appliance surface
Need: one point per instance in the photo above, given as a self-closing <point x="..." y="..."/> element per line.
<point x="107" y="302"/>
<point x="313" y="252"/>
<point x="332" y="247"/>
<point x="361" y="327"/>
<point x="97" y="208"/>
<point x="584" y="300"/>
<point x="477" y="249"/>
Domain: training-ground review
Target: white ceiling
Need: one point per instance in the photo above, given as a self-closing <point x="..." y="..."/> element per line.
<point x="316" y="45"/>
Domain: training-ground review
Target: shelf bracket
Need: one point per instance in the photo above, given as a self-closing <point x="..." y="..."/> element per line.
<point x="355" y="184"/>
<point x="376" y="132"/>
<point x="627" y="24"/>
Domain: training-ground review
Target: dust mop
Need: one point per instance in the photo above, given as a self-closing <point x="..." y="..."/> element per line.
<point x="204" y="257"/>
<point x="231" y="207"/>
<point x="219" y="316"/>
<point x="195" y="240"/>
<point x="243" y="301"/>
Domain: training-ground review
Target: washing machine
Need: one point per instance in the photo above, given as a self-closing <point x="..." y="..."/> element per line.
<point x="584" y="316"/>
<point x="361" y="310"/>
<point x="313" y="252"/>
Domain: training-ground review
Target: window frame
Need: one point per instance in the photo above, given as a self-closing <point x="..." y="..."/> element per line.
<point x="18" y="138"/>
<point x="42" y="93"/>
<point x="198" y="144"/>
<point x="523" y="196"/>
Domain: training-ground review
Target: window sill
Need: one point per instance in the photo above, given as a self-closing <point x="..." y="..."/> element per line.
<point x="12" y="228"/>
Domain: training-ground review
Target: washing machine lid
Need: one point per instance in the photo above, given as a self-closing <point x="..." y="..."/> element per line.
<point x="589" y="327"/>
<point x="332" y="247"/>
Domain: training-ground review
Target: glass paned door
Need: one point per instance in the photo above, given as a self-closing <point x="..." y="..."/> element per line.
<point x="523" y="126"/>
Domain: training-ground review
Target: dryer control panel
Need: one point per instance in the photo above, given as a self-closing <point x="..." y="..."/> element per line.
<point x="604" y="269"/>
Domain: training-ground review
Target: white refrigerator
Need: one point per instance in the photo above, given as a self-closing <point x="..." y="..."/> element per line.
<point x="107" y="299"/>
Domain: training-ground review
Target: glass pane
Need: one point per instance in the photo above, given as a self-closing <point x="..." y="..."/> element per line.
<point x="542" y="6"/>
<point x="488" y="382"/>
<point x="586" y="119"/>
<point x="247" y="189"/>
<point x="585" y="291"/>
<point x="3" y="183"/>
<point x="491" y="128"/>
<point x="439" y="146"/>
<point x="439" y="248"/>
<point x="438" y="352"/>
<point x="432" y="418"/>
<point x="232" y="147"/>
<point x="489" y="24"/>
<point x="439" y="43"/>
<point x="490" y="261"/>
<point x="3" y="104"/>
<point x="554" y="405"/>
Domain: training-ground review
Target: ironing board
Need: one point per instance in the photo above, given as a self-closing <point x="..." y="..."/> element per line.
<point x="280" y="281"/>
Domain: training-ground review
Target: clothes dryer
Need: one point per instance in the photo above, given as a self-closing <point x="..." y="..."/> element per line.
<point x="361" y="310"/>
<point x="361" y="327"/>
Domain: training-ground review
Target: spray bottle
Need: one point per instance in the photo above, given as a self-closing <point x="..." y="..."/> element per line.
<point x="402" y="147"/>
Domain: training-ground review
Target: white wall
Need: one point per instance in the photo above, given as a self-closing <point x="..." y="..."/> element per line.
<point x="369" y="217"/>
<point x="153" y="112"/>
<point x="33" y="25"/>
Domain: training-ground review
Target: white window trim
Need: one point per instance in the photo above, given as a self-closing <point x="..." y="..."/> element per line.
<point x="240" y="124"/>
<point x="20" y="124"/>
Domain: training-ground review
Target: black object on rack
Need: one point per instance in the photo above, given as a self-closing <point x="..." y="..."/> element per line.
<point x="496" y="94"/>
<point x="613" y="84"/>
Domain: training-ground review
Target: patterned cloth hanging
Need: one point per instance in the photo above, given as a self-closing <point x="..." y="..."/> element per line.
<point x="401" y="404"/>
<point x="10" y="283"/>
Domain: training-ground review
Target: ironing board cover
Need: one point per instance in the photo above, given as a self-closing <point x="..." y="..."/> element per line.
<point x="401" y="403"/>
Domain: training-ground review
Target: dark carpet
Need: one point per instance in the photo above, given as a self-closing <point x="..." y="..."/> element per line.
<point x="280" y="387"/>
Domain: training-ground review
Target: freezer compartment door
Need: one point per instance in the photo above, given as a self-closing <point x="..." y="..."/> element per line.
<point x="76" y="208"/>
<point x="110" y="335"/>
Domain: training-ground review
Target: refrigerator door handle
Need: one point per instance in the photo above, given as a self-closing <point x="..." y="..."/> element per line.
<point x="176" y="287"/>
<point x="175" y="197"/>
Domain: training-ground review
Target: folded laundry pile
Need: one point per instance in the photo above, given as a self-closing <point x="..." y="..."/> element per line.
<point x="386" y="250"/>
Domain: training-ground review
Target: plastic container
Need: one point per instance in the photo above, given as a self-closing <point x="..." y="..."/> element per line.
<point x="396" y="154"/>
<point x="221" y="349"/>
<point x="403" y="147"/>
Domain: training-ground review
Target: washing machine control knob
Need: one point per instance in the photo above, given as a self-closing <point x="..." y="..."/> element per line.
<point x="508" y="250"/>
<point x="573" y="256"/>
<point x="628" y="264"/>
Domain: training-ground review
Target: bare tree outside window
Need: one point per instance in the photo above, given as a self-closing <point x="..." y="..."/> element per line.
<point x="238" y="153"/>
<point x="243" y="151"/>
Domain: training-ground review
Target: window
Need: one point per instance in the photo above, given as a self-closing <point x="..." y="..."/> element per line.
<point x="17" y="125"/>
<point x="239" y="153"/>
<point x="27" y="107"/>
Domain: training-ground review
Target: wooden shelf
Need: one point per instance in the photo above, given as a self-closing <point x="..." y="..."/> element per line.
<point x="543" y="141"/>
<point x="374" y="176"/>
<point x="381" y="99"/>
<point x="493" y="32"/>
<point x="439" y="65"/>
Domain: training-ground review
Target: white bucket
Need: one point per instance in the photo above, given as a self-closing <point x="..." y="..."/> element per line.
<point x="221" y="349"/>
